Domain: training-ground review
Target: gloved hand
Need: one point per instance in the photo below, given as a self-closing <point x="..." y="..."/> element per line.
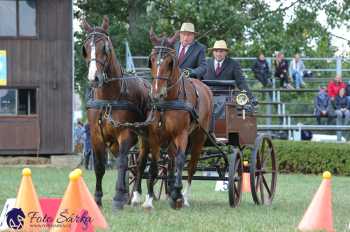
<point x="190" y="72"/>
<point x="254" y="101"/>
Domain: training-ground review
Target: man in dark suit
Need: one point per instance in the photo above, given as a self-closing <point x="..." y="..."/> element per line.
<point x="221" y="67"/>
<point x="191" y="54"/>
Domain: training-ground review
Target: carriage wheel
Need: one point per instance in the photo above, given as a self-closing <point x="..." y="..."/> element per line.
<point x="160" y="184"/>
<point x="263" y="171"/>
<point x="235" y="178"/>
<point x="130" y="176"/>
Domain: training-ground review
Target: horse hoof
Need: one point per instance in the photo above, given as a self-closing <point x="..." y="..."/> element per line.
<point x="176" y="204"/>
<point x="99" y="203"/>
<point x="148" y="209"/>
<point x="179" y="203"/>
<point x="117" y="206"/>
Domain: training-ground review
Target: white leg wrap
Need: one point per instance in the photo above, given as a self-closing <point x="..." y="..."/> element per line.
<point x="186" y="194"/>
<point x="136" y="198"/>
<point x="148" y="204"/>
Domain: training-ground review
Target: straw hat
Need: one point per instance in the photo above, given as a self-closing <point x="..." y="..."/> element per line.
<point x="187" y="27"/>
<point x="219" y="44"/>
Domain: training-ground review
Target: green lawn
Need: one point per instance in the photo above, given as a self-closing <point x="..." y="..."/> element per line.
<point x="209" y="211"/>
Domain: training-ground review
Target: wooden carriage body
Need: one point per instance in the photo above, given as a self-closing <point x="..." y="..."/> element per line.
<point x="238" y="131"/>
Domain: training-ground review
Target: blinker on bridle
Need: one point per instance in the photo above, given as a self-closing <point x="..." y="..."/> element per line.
<point x="96" y="36"/>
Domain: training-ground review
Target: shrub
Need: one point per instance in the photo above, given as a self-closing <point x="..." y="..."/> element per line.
<point x="313" y="157"/>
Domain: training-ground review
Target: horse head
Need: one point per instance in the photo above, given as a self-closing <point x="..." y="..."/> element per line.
<point x="163" y="63"/>
<point x="98" y="52"/>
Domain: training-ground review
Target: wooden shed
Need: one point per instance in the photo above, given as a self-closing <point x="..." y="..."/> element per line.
<point x="36" y="76"/>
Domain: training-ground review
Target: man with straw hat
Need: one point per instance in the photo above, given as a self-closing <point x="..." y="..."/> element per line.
<point x="191" y="53"/>
<point x="222" y="67"/>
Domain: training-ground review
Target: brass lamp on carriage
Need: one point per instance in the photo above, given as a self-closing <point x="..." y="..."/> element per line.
<point x="242" y="99"/>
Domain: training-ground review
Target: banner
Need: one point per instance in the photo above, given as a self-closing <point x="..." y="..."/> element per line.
<point x="3" y="68"/>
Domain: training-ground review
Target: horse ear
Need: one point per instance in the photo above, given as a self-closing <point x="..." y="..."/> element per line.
<point x="149" y="62"/>
<point x="83" y="51"/>
<point x="153" y="37"/>
<point x="171" y="41"/>
<point x="86" y="26"/>
<point x="105" y="23"/>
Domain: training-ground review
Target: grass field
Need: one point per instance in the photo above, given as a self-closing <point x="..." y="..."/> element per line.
<point x="209" y="211"/>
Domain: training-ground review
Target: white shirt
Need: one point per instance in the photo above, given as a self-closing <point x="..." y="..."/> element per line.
<point x="186" y="48"/>
<point x="218" y="62"/>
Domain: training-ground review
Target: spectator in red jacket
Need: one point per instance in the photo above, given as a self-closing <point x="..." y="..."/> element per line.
<point x="334" y="86"/>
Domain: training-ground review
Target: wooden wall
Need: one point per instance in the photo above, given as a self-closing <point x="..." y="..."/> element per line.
<point x="45" y="63"/>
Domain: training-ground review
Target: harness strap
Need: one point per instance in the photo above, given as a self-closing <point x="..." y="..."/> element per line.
<point x="197" y="94"/>
<point x="114" y="105"/>
<point x="177" y="105"/>
<point x="100" y="123"/>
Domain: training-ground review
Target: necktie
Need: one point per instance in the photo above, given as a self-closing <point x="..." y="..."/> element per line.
<point x="218" y="69"/>
<point x="182" y="54"/>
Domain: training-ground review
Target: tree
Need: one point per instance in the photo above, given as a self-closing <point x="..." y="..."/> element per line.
<point x="249" y="26"/>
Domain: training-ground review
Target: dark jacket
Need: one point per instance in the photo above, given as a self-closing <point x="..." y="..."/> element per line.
<point x="281" y="70"/>
<point x="230" y="70"/>
<point x="194" y="59"/>
<point x="341" y="102"/>
<point x="322" y="102"/>
<point x="87" y="138"/>
<point x="347" y="89"/>
<point x="261" y="69"/>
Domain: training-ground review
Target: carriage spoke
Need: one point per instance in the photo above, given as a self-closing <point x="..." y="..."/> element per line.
<point x="237" y="193"/>
<point x="261" y="190"/>
<point x="266" y="186"/>
<point x="257" y="183"/>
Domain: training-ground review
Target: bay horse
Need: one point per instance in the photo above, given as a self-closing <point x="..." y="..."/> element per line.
<point x="184" y="108"/>
<point x="116" y="99"/>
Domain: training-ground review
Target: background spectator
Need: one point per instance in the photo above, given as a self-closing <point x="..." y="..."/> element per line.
<point x="347" y="90"/>
<point x="342" y="108"/>
<point x="88" y="155"/>
<point x="281" y="71"/>
<point x="334" y="86"/>
<point x="323" y="106"/>
<point x="261" y="70"/>
<point x="79" y="137"/>
<point x="297" y="71"/>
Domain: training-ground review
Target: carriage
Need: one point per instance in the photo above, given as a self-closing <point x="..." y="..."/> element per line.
<point x="174" y="112"/>
<point x="237" y="149"/>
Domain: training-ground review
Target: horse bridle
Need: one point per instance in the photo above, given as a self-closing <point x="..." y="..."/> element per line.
<point x="162" y="52"/>
<point x="96" y="36"/>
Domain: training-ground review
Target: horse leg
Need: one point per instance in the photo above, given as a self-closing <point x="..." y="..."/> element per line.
<point x="176" y="198"/>
<point x="141" y="164"/>
<point x="153" y="172"/>
<point x="99" y="165"/>
<point x="197" y="141"/>
<point x="122" y="194"/>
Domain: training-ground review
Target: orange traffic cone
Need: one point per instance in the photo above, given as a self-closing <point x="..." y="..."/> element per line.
<point x="318" y="215"/>
<point x="76" y="198"/>
<point x="246" y="179"/>
<point x="27" y="200"/>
